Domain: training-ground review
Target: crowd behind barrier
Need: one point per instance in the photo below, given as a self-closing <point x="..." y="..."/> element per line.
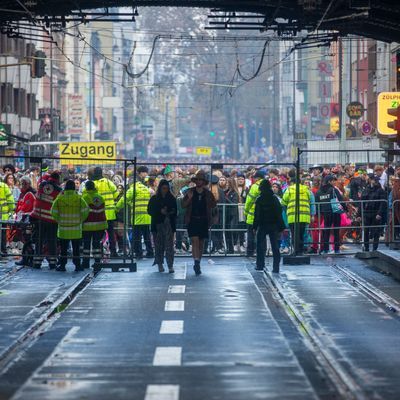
<point x="99" y="211"/>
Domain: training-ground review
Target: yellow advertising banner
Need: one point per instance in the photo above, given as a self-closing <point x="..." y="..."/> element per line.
<point x="84" y="153"/>
<point x="204" y="151"/>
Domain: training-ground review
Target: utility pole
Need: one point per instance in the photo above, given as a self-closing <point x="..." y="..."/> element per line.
<point x="52" y="138"/>
<point x="343" y="97"/>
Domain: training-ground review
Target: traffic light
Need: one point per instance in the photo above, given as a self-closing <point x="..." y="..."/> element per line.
<point x="395" y="125"/>
<point x="39" y="65"/>
<point x="212" y="134"/>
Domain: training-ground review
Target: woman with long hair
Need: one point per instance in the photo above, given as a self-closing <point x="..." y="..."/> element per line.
<point x="163" y="210"/>
<point x="11" y="181"/>
<point x="199" y="203"/>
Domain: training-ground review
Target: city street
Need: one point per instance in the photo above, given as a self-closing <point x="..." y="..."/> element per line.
<point x="230" y="333"/>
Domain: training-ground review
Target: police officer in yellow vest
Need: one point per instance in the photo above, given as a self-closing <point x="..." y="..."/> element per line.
<point x="69" y="210"/>
<point x="141" y="220"/>
<point x="289" y="201"/>
<point x="249" y="209"/>
<point x="106" y="188"/>
<point x="7" y="206"/>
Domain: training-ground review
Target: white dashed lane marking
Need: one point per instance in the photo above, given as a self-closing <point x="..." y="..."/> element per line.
<point x="175" y="289"/>
<point x="171" y="328"/>
<point x="174" y="305"/>
<point x="167" y="356"/>
<point x="162" y="392"/>
<point x="181" y="274"/>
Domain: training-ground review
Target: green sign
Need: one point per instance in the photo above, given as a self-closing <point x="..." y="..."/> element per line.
<point x="3" y="135"/>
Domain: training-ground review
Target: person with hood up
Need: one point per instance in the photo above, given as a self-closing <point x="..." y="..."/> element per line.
<point x="330" y="216"/>
<point x="374" y="206"/>
<point x="268" y="220"/>
<point x="162" y="208"/>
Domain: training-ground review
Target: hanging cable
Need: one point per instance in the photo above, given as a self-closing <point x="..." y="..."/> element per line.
<point x="139" y="74"/>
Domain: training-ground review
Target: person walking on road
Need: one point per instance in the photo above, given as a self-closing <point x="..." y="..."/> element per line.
<point x="94" y="226"/>
<point x="69" y="210"/>
<point x="163" y="211"/>
<point x="268" y="220"/>
<point x="249" y="208"/>
<point x="199" y="203"/>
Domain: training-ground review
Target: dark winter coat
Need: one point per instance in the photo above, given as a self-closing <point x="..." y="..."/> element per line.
<point x="268" y="213"/>
<point x="324" y="196"/>
<point x="156" y="204"/>
<point x="232" y="210"/>
<point x="374" y="208"/>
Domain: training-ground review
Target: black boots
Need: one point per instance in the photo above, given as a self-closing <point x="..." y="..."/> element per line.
<point x="196" y="268"/>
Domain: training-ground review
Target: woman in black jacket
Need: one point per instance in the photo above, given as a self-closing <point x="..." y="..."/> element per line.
<point x="332" y="219"/>
<point x="268" y="220"/>
<point x="163" y="210"/>
<point x="374" y="209"/>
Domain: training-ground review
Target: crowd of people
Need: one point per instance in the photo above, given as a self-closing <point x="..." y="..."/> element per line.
<point x="166" y="210"/>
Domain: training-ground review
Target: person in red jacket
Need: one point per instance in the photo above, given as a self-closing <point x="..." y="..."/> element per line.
<point x="45" y="231"/>
<point x="25" y="205"/>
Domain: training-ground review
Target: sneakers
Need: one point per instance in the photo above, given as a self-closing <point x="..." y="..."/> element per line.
<point x="61" y="268"/>
<point x="259" y="268"/>
<point x="171" y="270"/>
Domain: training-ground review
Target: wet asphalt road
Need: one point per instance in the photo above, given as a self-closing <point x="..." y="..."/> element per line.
<point x="156" y="336"/>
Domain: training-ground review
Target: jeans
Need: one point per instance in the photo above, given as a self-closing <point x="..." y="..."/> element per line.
<point x="262" y="233"/>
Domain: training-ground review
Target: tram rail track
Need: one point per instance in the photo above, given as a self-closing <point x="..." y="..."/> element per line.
<point x="320" y="344"/>
<point x="51" y="308"/>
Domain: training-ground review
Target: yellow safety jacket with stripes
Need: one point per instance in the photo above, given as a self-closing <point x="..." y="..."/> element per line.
<point x="7" y="202"/>
<point x="96" y="220"/>
<point x="69" y="210"/>
<point x="289" y="200"/>
<point x="250" y="205"/>
<point x="142" y="198"/>
<point x="108" y="191"/>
